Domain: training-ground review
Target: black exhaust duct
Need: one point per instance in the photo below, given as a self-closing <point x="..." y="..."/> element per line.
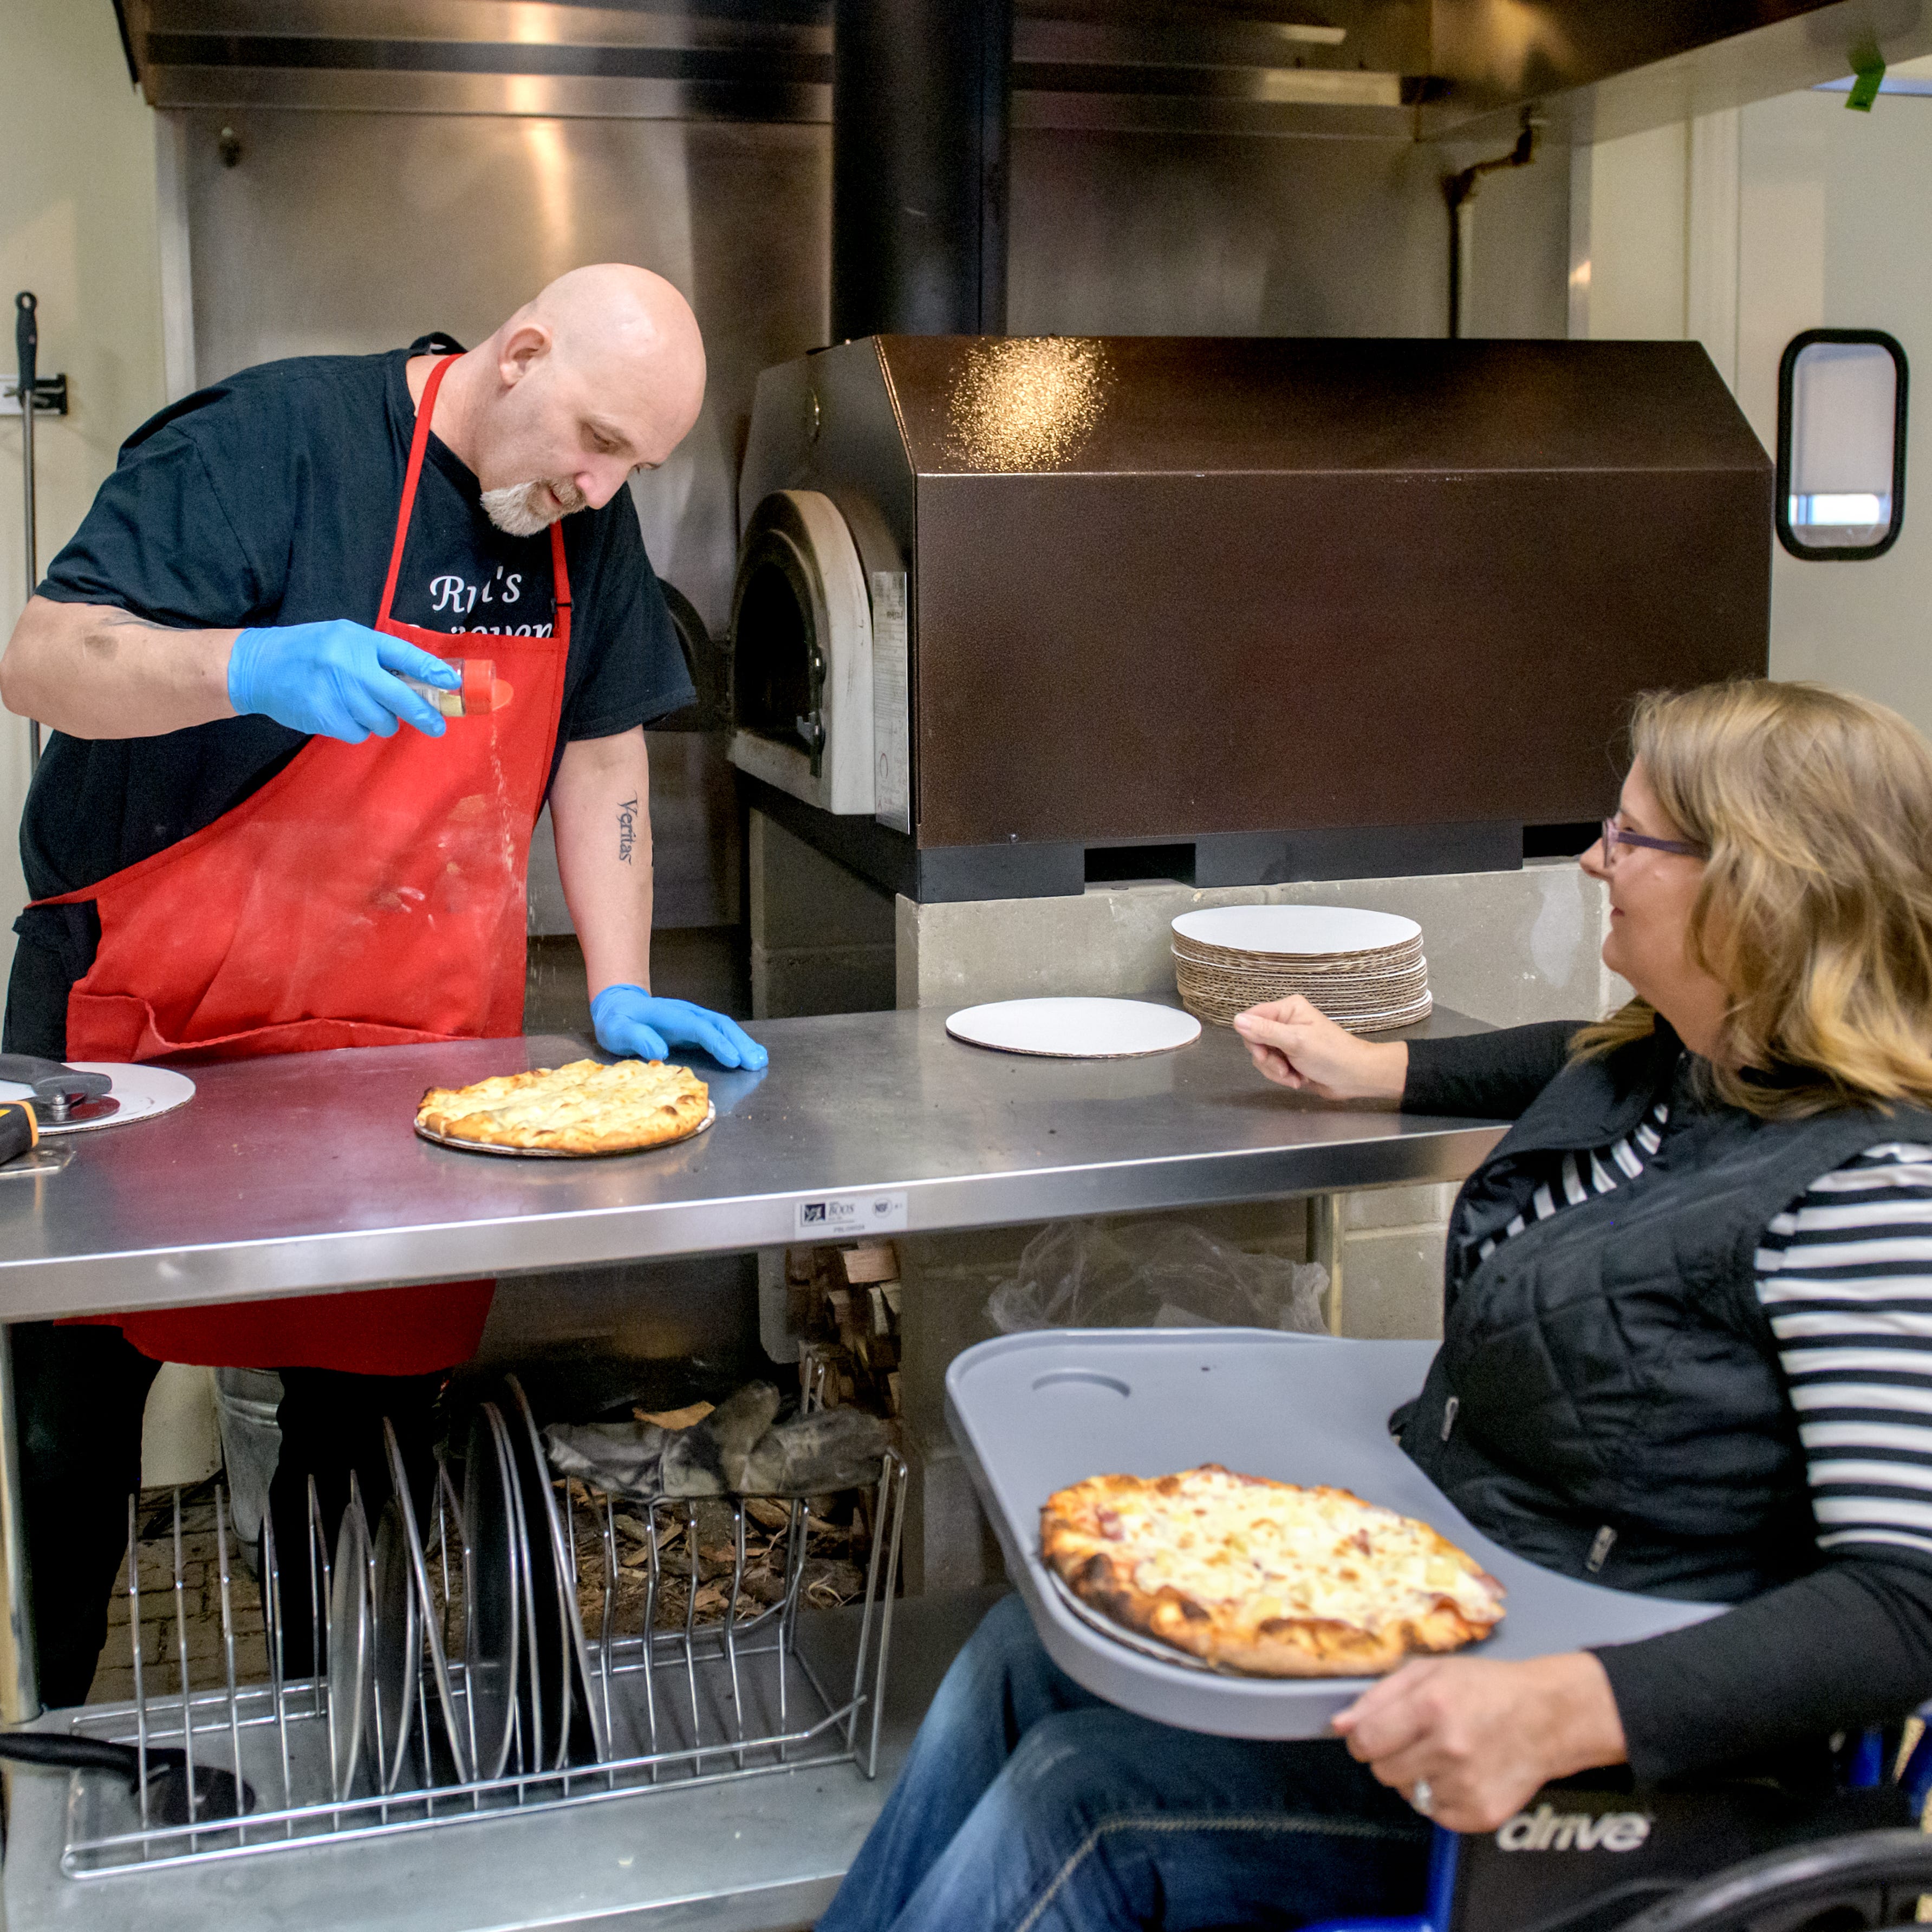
<point x="919" y="91"/>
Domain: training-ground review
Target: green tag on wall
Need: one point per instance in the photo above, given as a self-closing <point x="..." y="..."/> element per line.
<point x="1868" y="71"/>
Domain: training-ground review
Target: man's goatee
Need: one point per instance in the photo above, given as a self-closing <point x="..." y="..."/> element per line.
<point x="522" y="509"/>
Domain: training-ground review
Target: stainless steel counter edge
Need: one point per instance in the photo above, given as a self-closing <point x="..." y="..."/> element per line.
<point x="299" y="1175"/>
<point x="258" y="1270"/>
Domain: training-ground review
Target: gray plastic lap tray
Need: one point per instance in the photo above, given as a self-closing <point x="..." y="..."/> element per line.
<point x="1033" y="1413"/>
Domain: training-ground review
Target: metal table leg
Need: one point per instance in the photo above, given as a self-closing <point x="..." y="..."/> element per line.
<point x="20" y="1669"/>
<point x="1325" y="1245"/>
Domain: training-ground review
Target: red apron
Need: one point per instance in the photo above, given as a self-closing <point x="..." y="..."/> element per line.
<point x="368" y="895"/>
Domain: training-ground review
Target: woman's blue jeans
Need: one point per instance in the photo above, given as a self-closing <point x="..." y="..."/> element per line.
<point x="1028" y="1805"/>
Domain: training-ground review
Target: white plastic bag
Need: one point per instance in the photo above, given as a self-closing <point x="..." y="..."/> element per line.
<point x="1079" y="1274"/>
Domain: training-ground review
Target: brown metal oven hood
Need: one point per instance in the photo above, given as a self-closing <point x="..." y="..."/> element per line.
<point x="1282" y="609"/>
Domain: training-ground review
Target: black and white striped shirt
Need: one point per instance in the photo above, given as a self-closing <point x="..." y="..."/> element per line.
<point x="1844" y="1275"/>
<point x="1597" y="1172"/>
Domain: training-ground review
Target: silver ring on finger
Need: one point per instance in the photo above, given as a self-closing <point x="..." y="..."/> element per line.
<point x="1422" y="1798"/>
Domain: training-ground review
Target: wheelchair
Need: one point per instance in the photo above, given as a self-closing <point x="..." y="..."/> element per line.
<point x="1739" y="1858"/>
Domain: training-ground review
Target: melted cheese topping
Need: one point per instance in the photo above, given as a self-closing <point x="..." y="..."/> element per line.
<point x="586" y="1095"/>
<point x="1275" y="1550"/>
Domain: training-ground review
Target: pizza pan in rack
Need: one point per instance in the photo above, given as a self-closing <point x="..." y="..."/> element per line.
<point x="1034" y="1413"/>
<point x="561" y="1153"/>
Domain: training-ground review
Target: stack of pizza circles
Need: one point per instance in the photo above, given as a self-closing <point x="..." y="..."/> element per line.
<point x="585" y="1107"/>
<point x="1265" y="1579"/>
<point x="1364" y="970"/>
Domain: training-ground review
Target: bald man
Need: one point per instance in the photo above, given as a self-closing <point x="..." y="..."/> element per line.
<point x="331" y="634"/>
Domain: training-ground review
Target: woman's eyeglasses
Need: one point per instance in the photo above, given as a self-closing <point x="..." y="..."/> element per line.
<point x="1615" y="835"/>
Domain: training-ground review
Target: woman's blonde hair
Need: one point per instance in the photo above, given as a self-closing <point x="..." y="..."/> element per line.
<point x="1816" y="907"/>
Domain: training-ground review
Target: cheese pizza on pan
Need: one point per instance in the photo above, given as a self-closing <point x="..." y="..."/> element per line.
<point x="584" y="1107"/>
<point x="1265" y="1578"/>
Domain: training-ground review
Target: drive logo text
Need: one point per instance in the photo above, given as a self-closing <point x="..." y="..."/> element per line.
<point x="1545" y="1829"/>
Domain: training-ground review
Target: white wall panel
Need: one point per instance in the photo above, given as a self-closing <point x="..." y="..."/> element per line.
<point x="77" y="227"/>
<point x="1842" y="237"/>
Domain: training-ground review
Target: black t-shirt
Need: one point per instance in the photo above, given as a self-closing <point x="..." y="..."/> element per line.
<point x="271" y="499"/>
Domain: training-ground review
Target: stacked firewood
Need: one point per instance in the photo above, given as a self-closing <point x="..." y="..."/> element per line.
<point x="836" y="1552"/>
<point x="845" y="1303"/>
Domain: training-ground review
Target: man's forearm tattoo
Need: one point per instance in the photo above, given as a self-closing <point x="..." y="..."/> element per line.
<point x="627" y="829"/>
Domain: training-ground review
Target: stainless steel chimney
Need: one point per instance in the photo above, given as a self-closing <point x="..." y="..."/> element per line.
<point x="919" y="91"/>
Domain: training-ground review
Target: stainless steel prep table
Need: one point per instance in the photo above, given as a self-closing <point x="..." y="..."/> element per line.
<point x="287" y="1176"/>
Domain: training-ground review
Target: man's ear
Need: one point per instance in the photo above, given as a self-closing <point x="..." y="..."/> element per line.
<point x="528" y="343"/>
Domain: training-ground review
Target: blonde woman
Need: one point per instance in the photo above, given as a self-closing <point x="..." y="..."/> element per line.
<point x="1688" y="1349"/>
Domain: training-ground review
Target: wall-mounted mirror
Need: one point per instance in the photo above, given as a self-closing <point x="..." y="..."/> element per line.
<point x="1841" y="444"/>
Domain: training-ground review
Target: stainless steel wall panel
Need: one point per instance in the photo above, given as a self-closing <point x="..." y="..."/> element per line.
<point x="1128" y="234"/>
<point x="1109" y="111"/>
<point x="1125" y="234"/>
<point x="659" y="23"/>
<point x="355" y="233"/>
<point x="349" y="91"/>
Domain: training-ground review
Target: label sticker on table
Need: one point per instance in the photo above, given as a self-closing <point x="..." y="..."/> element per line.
<point x="839" y="1217"/>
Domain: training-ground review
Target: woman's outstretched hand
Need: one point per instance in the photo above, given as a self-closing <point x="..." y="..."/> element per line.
<point x="1484" y="1736"/>
<point x="1294" y="1045"/>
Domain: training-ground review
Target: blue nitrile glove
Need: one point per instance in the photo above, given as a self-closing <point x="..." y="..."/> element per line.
<point x="627" y="1019"/>
<point x="334" y="678"/>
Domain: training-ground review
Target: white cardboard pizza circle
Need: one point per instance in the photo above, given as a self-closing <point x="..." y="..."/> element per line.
<point x="1075" y="1028"/>
<point x="143" y="1091"/>
<point x="1297" y="930"/>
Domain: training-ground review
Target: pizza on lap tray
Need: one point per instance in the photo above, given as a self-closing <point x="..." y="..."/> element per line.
<point x="1264" y="1578"/>
<point x="584" y="1107"/>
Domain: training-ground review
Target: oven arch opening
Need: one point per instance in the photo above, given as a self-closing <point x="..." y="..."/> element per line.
<point x="801" y="650"/>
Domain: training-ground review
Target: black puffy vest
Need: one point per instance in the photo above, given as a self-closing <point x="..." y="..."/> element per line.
<point x="1606" y="1401"/>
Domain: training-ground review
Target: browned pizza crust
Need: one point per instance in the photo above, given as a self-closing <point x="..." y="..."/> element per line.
<point x="1268" y="1578"/>
<point x="584" y="1107"/>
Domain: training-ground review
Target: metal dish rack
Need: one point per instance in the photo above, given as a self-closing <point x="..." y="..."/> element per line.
<point x="673" y="1708"/>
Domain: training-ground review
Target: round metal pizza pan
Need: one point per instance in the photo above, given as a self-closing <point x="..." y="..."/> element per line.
<point x="561" y="1153"/>
<point x="1147" y="1646"/>
<point x="396" y="1646"/>
<point x="350" y="1643"/>
<point x="494" y="1594"/>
